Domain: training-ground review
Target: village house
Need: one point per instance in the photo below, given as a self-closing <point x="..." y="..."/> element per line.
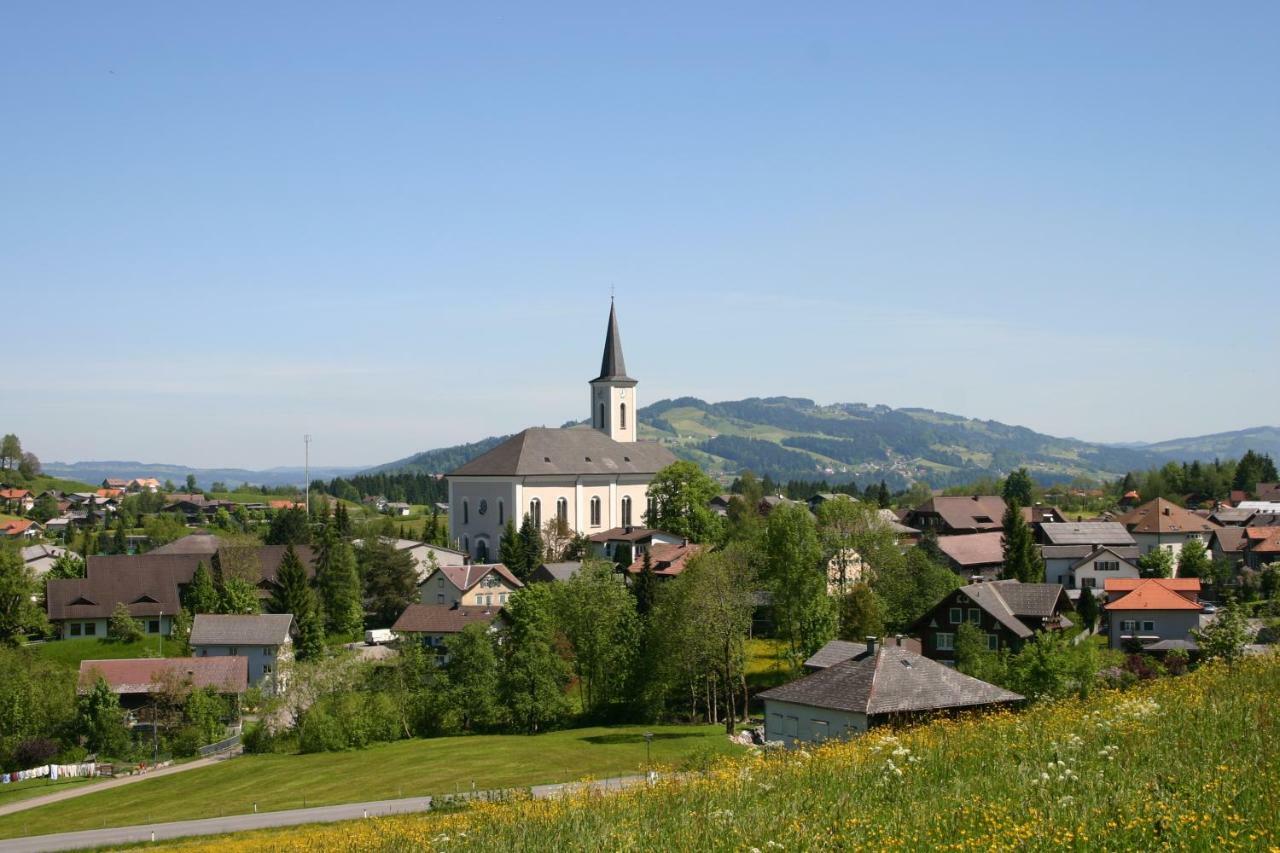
<point x="1268" y="491"/>
<point x="263" y="638"/>
<point x="556" y="572"/>
<point x="1007" y="612"/>
<point x="666" y="561"/>
<point x="141" y="484"/>
<point x="625" y="544"/>
<point x="1164" y="524"/>
<point x="1145" y="611"/>
<point x="17" y="501"/>
<point x="882" y="684"/>
<point x="397" y="508"/>
<point x="40" y="558"/>
<point x="948" y="516"/>
<point x="838" y="651"/>
<point x="434" y="625"/>
<point x="1073" y="551"/>
<point x="138" y="681"/>
<point x="426" y="557"/>
<point x="1262" y="547"/>
<point x="1228" y="544"/>
<point x="20" y="528"/>
<point x="974" y="554"/>
<point x="473" y="585"/>
<point x="589" y="479"/>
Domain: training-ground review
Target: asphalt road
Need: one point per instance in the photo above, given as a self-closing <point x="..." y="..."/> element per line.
<point x="264" y="820"/>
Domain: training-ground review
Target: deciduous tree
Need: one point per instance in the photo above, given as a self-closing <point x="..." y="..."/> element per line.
<point x="680" y="495"/>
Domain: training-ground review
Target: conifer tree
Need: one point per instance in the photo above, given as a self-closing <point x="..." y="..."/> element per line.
<point x="339" y="582"/>
<point x="531" y="547"/>
<point x="511" y="550"/>
<point x="201" y="596"/>
<point x="645" y="587"/>
<point x="293" y="594"/>
<point x="1022" y="560"/>
<point x="1088" y="608"/>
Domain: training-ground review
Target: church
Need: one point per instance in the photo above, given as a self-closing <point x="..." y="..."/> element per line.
<point x="592" y="478"/>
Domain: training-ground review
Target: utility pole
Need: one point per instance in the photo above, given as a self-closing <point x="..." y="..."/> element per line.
<point x="306" y="443"/>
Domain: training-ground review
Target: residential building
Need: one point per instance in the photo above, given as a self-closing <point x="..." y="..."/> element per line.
<point x="589" y="479"/>
<point x="974" y="554"/>
<point x="666" y="561"/>
<point x="625" y="544"/>
<point x="838" y="651"/>
<point x="136" y="681"/>
<point x="426" y="557"/>
<point x="1164" y="524"/>
<point x="473" y="585"/>
<point x="434" y="625"/>
<point x="264" y="638"/>
<point x="1151" y="610"/>
<point x="556" y="572"/>
<point x="1229" y="543"/>
<point x="141" y="484"/>
<point x="1093" y="534"/>
<point x="1072" y="546"/>
<point x="1268" y="491"/>
<point x="1007" y="612"/>
<point x="20" y="528"/>
<point x="948" y="516"/>
<point x="397" y="508"/>
<point x="1262" y="547"/>
<point x="883" y="684"/>
<point x="1092" y="571"/>
<point x="17" y="500"/>
<point x="1041" y="514"/>
<point x="40" y="558"/>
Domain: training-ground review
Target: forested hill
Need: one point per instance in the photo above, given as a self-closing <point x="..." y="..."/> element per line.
<point x="794" y="438"/>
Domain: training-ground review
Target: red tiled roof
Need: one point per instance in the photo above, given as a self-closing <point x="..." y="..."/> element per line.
<point x="15" y="527"/>
<point x="465" y="577"/>
<point x="280" y="504"/>
<point x="442" y="618"/>
<point x="667" y="560"/>
<point x="1153" y="594"/>
<point x="1130" y="584"/>
<point x="1270" y="545"/>
<point x="148" y="675"/>
<point x="14" y="494"/>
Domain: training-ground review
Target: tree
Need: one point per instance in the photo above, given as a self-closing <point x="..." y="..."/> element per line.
<point x="29" y="466"/>
<point x="645" y="586"/>
<point x="67" y="566"/>
<point x="237" y="595"/>
<point x="911" y="586"/>
<point x="20" y="615"/>
<point x="1194" y="560"/>
<point x="796" y="577"/>
<point x="534" y="675"/>
<point x="191" y="484"/>
<point x="165" y="528"/>
<point x="1088" y="609"/>
<point x="289" y="527"/>
<point x="10" y="451"/>
<point x="473" y="674"/>
<point x="123" y="628"/>
<point x="861" y="613"/>
<point x="975" y="658"/>
<point x="293" y="594"/>
<point x="120" y="539"/>
<point x="180" y="633"/>
<point x="46" y="507"/>
<point x="1050" y="666"/>
<point x="338" y="579"/>
<point x="531" y="551"/>
<point x="680" y="496"/>
<point x="1156" y="563"/>
<point x="558" y="541"/>
<point x="100" y="722"/>
<point x="598" y="616"/>
<point x="511" y="550"/>
<point x="1018" y="488"/>
<point x="390" y="579"/>
<point x="1022" y="559"/>
<point x="1226" y="636"/>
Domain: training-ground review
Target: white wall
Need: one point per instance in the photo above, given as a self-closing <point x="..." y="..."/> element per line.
<point x="793" y="724"/>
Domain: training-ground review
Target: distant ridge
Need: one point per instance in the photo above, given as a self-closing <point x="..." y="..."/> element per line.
<point x="99" y="470"/>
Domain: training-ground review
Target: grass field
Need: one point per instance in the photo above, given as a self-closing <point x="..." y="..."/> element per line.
<point x="19" y="791"/>
<point x="767" y="664"/>
<point x="71" y="652"/>
<point x="403" y="769"/>
<point x="1178" y="764"/>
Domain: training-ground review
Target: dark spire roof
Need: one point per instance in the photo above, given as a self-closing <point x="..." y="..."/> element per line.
<point x="612" y="366"/>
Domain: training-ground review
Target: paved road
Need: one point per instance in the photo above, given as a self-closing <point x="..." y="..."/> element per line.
<point x="264" y="820"/>
<point x="94" y="787"/>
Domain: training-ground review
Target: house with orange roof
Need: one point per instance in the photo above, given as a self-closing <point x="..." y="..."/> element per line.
<point x="1164" y="524"/>
<point x="17" y="500"/>
<point x="20" y="528"/>
<point x="1262" y="546"/>
<point x="1148" y="611"/>
<point x="284" y="504"/>
<point x="666" y="561"/>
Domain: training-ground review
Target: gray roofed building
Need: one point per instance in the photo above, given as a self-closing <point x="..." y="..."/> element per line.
<point x="573" y="451"/>
<point x="193" y="543"/>
<point x="1089" y="533"/>
<point x="870" y="689"/>
<point x="1009" y="612"/>
<point x="258" y="629"/>
<point x="551" y="572"/>
<point x="834" y="652"/>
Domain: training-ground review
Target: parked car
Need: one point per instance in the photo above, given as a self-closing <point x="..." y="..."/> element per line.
<point x="1209" y="608"/>
<point x="378" y="637"/>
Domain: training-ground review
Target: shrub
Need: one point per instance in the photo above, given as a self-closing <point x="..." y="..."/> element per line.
<point x="34" y="751"/>
<point x="319" y="731"/>
<point x="123" y="628"/>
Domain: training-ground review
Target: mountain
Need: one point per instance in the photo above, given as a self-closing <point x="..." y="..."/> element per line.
<point x="97" y="471"/>
<point x="794" y="438"/>
<point x="442" y="460"/>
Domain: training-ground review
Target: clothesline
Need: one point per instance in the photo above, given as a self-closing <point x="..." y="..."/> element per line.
<point x="52" y="772"/>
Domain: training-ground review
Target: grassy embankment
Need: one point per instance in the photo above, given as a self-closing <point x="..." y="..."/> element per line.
<point x="403" y="769"/>
<point x="71" y="651"/>
<point x="1183" y="764"/>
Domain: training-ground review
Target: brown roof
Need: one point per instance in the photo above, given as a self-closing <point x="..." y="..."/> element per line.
<point x="627" y="534"/>
<point x="1162" y="516"/>
<point x="574" y="450"/>
<point x="1270" y="545"/>
<point x="1231" y="540"/>
<point x="1268" y="491"/>
<point x="972" y="513"/>
<point x="147" y="675"/>
<point x="442" y="618"/>
<point x="465" y="577"/>
<point x="668" y="560"/>
<point x="1042" y="514"/>
<point x="1020" y="607"/>
<point x="972" y="550"/>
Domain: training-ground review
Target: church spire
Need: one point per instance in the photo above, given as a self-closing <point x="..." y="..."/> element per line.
<point x="612" y="365"/>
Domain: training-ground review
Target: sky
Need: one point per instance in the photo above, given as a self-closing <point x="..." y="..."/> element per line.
<point x="396" y="226"/>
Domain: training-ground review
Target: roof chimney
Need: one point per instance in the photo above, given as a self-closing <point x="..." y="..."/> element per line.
<point x="871" y="645"/>
<point x="1168" y="511"/>
<point x="975" y="578"/>
<point x="898" y="637"/>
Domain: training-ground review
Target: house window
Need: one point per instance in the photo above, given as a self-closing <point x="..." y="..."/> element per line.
<point x="75" y="629"/>
<point x="622" y="416"/>
<point x="153" y="626"/>
<point x="466" y="512"/>
<point x="945" y="642"/>
<point x="1127" y="624"/>
<point x="1148" y="626"/>
<point x="440" y="581"/>
<point x="1107" y="566"/>
<point x="626" y="511"/>
<point x="975" y="615"/>
<point x="957" y="616"/>
<point x="439" y="598"/>
<point x="233" y="651"/>
<point x="501" y="514"/>
<point x="562" y="510"/>
<point x="1089" y="582"/>
<point x="268" y="651"/>
<point x="993" y="642"/>
<point x="266" y="669"/>
<point x="90" y="629"/>
<point x="595" y="512"/>
<point x="535" y="512"/>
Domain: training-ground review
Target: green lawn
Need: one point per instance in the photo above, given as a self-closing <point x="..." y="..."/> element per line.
<point x="767" y="664"/>
<point x="403" y="769"/>
<point x="19" y="791"/>
<point x="71" y="652"/>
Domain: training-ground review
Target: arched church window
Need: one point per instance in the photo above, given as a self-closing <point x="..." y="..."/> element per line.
<point x="535" y="512"/>
<point x="482" y="551"/>
<point x="466" y="512"/>
<point x="501" y="514"/>
<point x="595" y="512"/>
<point x="622" y="416"/>
<point x="600" y="423"/>
<point x="562" y="510"/>
<point x="626" y="511"/>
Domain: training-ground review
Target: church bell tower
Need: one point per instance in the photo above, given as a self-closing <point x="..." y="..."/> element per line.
<point x="613" y="392"/>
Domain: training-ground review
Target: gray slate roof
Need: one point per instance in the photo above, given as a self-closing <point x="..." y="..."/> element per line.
<point x="834" y="652"/>
<point x="1086" y="533"/>
<point x="891" y="681"/>
<point x="612" y="365"/>
<point x="570" y="451"/>
<point x="559" y="571"/>
<point x="262" y="629"/>
<point x="1009" y="601"/>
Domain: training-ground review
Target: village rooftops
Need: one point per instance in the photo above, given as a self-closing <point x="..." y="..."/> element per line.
<point x="960" y="514"/>
<point x="259" y="629"/>
<point x="152" y="675"/>
<point x="566" y="452"/>
<point x="465" y="577"/>
<point x="1092" y="533"/>
<point x="974" y="550"/>
<point x="1152" y="594"/>
<point x="890" y="680"/>
<point x="1162" y="516"/>
<point x="627" y="534"/>
<point x="442" y="618"/>
<point x="666" y="560"/>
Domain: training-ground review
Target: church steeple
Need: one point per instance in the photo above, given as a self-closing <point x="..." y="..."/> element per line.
<point x="613" y="396"/>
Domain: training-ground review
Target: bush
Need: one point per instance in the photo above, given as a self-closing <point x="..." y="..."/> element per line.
<point x="186" y="742"/>
<point x="123" y="628"/>
<point x="34" y="751"/>
<point x="319" y="731"/>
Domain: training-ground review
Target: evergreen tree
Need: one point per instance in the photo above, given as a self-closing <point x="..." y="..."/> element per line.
<point x="645" y="586"/>
<point x="511" y="550"/>
<point x="342" y="520"/>
<point x="530" y="546"/>
<point x="1022" y="559"/>
<point x="293" y="594"/>
<point x="882" y="495"/>
<point x="119" y="542"/>
<point x="339" y="583"/>
<point x="201" y="596"/>
<point x="289" y="527"/>
<point x="1018" y="488"/>
<point x="1088" y="608"/>
<point x="390" y="579"/>
<point x="473" y="674"/>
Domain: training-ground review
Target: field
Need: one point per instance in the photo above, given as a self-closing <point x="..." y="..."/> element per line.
<point x="71" y="652"/>
<point x="18" y="791"/>
<point x="1182" y="764"/>
<point x="403" y="769"/>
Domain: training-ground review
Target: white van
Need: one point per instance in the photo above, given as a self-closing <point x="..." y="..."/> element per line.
<point x="378" y="637"/>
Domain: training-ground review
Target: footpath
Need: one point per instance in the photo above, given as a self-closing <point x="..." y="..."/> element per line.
<point x="94" y="787"/>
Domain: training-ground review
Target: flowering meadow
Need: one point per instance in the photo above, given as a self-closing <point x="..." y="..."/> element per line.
<point x="1189" y="763"/>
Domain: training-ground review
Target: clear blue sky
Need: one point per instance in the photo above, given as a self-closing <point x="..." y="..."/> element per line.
<point x="395" y="225"/>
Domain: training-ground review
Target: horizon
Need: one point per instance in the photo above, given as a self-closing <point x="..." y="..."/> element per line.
<point x="398" y="231"/>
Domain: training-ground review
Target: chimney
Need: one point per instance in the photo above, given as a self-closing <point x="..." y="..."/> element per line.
<point x="898" y="637"/>
<point x="975" y="578"/>
<point x="871" y="645"/>
<point x="1168" y="511"/>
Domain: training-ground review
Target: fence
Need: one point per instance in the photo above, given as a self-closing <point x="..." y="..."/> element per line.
<point x="221" y="746"/>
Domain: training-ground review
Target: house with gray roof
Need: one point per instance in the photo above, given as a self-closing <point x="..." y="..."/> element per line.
<point x="556" y="572"/>
<point x="1007" y="612"/>
<point x="586" y="478"/>
<point x="263" y="638"/>
<point x="882" y="684"/>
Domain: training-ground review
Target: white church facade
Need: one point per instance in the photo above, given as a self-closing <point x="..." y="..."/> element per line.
<point x="593" y="478"/>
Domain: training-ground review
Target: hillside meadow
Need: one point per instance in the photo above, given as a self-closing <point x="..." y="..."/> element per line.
<point x="1178" y="764"/>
